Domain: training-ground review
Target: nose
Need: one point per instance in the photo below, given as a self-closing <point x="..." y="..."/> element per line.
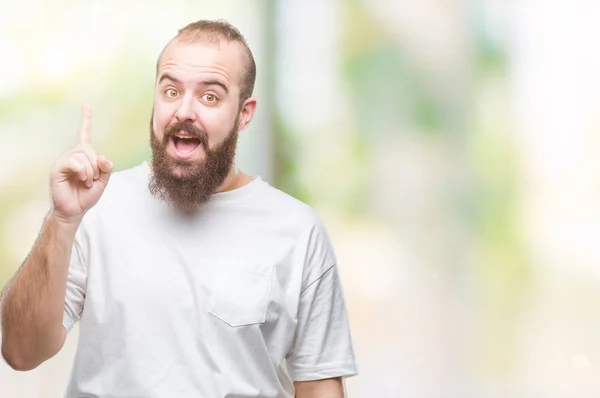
<point x="185" y="112"/>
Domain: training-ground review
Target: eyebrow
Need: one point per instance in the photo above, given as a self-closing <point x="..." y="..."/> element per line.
<point x="215" y="83"/>
<point x="167" y="76"/>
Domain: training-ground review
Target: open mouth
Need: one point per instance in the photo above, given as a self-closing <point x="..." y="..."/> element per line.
<point x="184" y="144"/>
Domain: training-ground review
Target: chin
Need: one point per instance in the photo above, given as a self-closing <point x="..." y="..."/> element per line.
<point x="183" y="169"/>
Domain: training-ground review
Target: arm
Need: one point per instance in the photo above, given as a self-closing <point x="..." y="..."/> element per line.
<point x="32" y="303"/>
<point x="325" y="388"/>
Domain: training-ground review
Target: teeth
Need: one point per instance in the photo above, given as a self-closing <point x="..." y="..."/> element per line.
<point x="185" y="137"/>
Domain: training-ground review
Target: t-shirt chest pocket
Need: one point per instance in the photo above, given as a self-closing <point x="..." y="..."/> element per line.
<point x="240" y="291"/>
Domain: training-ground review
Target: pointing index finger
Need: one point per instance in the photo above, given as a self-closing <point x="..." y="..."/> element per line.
<point x="84" y="135"/>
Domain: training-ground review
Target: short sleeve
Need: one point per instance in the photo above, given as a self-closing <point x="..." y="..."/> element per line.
<point x="322" y="345"/>
<point x="76" y="286"/>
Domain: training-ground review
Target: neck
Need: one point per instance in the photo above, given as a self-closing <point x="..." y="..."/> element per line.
<point x="235" y="179"/>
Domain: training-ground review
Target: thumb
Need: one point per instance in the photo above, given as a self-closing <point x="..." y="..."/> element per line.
<point x="106" y="167"/>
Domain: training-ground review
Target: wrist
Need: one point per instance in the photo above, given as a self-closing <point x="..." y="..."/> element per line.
<point x="67" y="224"/>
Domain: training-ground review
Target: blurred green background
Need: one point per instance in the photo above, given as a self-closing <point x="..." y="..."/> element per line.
<point x="450" y="147"/>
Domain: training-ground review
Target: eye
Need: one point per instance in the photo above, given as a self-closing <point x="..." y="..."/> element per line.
<point x="209" y="98"/>
<point x="171" y="93"/>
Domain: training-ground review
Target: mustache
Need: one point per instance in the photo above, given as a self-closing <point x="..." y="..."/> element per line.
<point x="189" y="128"/>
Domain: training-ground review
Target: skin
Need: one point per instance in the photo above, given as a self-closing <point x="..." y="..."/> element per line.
<point x="197" y="83"/>
<point x="326" y="388"/>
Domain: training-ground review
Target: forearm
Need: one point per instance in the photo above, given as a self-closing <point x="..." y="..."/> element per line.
<point x="33" y="302"/>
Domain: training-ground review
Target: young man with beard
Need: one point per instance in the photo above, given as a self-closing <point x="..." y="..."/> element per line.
<point x="189" y="278"/>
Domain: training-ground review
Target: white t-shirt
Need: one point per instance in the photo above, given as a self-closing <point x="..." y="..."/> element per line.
<point x="239" y="300"/>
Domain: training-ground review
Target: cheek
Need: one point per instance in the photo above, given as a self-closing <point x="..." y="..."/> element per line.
<point x="161" y="119"/>
<point x="220" y="123"/>
<point x="217" y="127"/>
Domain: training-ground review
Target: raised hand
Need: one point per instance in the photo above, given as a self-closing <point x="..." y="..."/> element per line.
<point x="79" y="177"/>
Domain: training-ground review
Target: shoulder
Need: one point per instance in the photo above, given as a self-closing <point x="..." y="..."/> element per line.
<point x="286" y="207"/>
<point x="296" y="215"/>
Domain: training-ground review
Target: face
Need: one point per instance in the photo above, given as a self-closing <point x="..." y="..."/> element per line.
<point x="196" y="119"/>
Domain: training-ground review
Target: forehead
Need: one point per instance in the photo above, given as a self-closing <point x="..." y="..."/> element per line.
<point x="191" y="61"/>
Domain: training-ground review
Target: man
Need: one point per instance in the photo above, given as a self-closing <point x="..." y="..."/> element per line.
<point x="189" y="278"/>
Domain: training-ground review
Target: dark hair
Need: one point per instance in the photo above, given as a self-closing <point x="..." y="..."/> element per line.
<point x="214" y="31"/>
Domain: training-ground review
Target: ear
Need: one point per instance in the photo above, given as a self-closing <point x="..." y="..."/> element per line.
<point x="247" y="113"/>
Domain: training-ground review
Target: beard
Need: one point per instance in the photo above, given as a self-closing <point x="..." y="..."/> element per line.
<point x="186" y="185"/>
